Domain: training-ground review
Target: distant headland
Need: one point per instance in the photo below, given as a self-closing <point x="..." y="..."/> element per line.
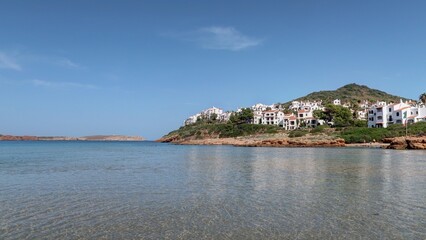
<point x="64" y="138"/>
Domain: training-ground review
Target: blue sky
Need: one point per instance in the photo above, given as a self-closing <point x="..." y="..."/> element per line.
<point x="141" y="67"/>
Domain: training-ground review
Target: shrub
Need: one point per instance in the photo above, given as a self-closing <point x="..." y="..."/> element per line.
<point x="298" y="133"/>
<point x="363" y="134"/>
<point x="319" y="129"/>
<point x="360" y="123"/>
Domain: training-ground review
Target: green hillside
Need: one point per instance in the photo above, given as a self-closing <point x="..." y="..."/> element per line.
<point x="218" y="130"/>
<point x="352" y="93"/>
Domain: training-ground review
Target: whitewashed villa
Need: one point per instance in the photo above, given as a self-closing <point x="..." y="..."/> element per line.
<point x="381" y="114"/>
<point x="301" y="113"/>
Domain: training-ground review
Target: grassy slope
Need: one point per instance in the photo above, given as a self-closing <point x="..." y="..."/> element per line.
<point x="221" y="130"/>
<point x="361" y="134"/>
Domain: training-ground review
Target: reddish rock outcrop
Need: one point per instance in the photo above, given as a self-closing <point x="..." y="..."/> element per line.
<point x="401" y="143"/>
<point x="259" y="140"/>
<point x="167" y="139"/>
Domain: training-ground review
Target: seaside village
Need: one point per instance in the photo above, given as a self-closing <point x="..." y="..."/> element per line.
<point x="377" y="115"/>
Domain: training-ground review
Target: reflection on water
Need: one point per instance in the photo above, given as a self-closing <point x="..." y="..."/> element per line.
<point x="149" y="190"/>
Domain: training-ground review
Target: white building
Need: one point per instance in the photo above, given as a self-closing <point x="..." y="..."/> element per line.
<point x="259" y="107"/>
<point x="207" y="114"/>
<point x="382" y="115"/>
<point x="315" y="105"/>
<point x="364" y="104"/>
<point x="336" y="102"/>
<point x="306" y="116"/>
<point x="362" y="114"/>
<point x="224" y="117"/>
<point x="257" y="117"/>
<point x="421" y="116"/>
<point x="192" y="119"/>
<point x="377" y="115"/>
<point x="257" y="112"/>
<point x="210" y="111"/>
<point x="272" y="117"/>
<point x="303" y="114"/>
<point x="290" y="122"/>
<point x="294" y="105"/>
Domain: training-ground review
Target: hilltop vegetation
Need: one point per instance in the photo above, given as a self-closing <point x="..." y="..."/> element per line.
<point x="218" y="130"/>
<point x="351" y="93"/>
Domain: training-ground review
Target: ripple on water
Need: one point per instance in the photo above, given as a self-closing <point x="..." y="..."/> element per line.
<point x="156" y="191"/>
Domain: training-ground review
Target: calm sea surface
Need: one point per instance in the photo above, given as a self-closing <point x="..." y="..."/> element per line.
<point x="146" y="190"/>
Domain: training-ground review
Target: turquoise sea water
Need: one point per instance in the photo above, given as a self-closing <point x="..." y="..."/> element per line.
<point x="146" y="190"/>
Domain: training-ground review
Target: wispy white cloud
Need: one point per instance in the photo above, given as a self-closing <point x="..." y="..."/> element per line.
<point x="65" y="62"/>
<point x="217" y="38"/>
<point x="8" y="62"/>
<point x="225" y="38"/>
<point x="43" y="83"/>
<point x="220" y="38"/>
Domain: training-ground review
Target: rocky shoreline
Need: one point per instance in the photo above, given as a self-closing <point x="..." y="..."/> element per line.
<point x="266" y="143"/>
<point x="62" y="138"/>
<point x="398" y="143"/>
<point x="401" y="143"/>
<point x="276" y="140"/>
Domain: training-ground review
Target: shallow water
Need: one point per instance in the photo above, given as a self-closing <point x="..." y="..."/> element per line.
<point x="146" y="190"/>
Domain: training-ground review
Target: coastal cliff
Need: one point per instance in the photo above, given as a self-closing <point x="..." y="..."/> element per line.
<point x="278" y="142"/>
<point x="260" y="140"/>
<point x="283" y="140"/>
<point x="252" y="135"/>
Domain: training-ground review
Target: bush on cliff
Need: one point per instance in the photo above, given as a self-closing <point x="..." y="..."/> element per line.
<point x="319" y="129"/>
<point x="298" y="133"/>
<point x="364" y="134"/>
<point x="222" y="130"/>
<point x="231" y="130"/>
